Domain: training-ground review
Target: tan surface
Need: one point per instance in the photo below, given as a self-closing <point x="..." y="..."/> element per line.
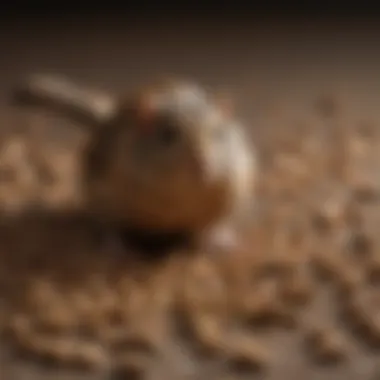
<point x="64" y="294"/>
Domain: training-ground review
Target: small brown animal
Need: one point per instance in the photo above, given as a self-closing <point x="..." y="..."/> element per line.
<point x="169" y="157"/>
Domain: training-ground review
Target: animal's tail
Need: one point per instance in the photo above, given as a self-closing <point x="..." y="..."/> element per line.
<point x="62" y="95"/>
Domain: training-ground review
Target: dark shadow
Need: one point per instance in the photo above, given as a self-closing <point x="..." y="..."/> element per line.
<point x="71" y="247"/>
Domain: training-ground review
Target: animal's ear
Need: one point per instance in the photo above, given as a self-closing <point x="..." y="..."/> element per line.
<point x="137" y="110"/>
<point x="225" y="103"/>
<point x="144" y="107"/>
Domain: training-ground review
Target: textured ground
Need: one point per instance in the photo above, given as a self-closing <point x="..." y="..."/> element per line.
<point x="299" y="300"/>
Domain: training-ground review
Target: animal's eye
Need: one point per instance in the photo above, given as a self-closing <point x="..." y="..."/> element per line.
<point x="166" y="132"/>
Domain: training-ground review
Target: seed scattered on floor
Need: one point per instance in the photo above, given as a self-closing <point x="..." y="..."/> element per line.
<point x="298" y="289"/>
<point x="349" y="279"/>
<point x="129" y="367"/>
<point x="372" y="271"/>
<point x="209" y="337"/>
<point x="126" y="341"/>
<point x="246" y="355"/>
<point x="362" y="318"/>
<point x="326" y="346"/>
<point x="361" y="245"/>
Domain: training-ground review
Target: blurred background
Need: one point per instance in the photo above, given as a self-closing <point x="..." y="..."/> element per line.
<point x="259" y="54"/>
<point x="278" y="61"/>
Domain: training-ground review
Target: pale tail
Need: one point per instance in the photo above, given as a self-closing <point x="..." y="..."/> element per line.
<point x="61" y="95"/>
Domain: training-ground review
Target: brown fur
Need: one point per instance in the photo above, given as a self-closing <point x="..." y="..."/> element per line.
<point x="112" y="182"/>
